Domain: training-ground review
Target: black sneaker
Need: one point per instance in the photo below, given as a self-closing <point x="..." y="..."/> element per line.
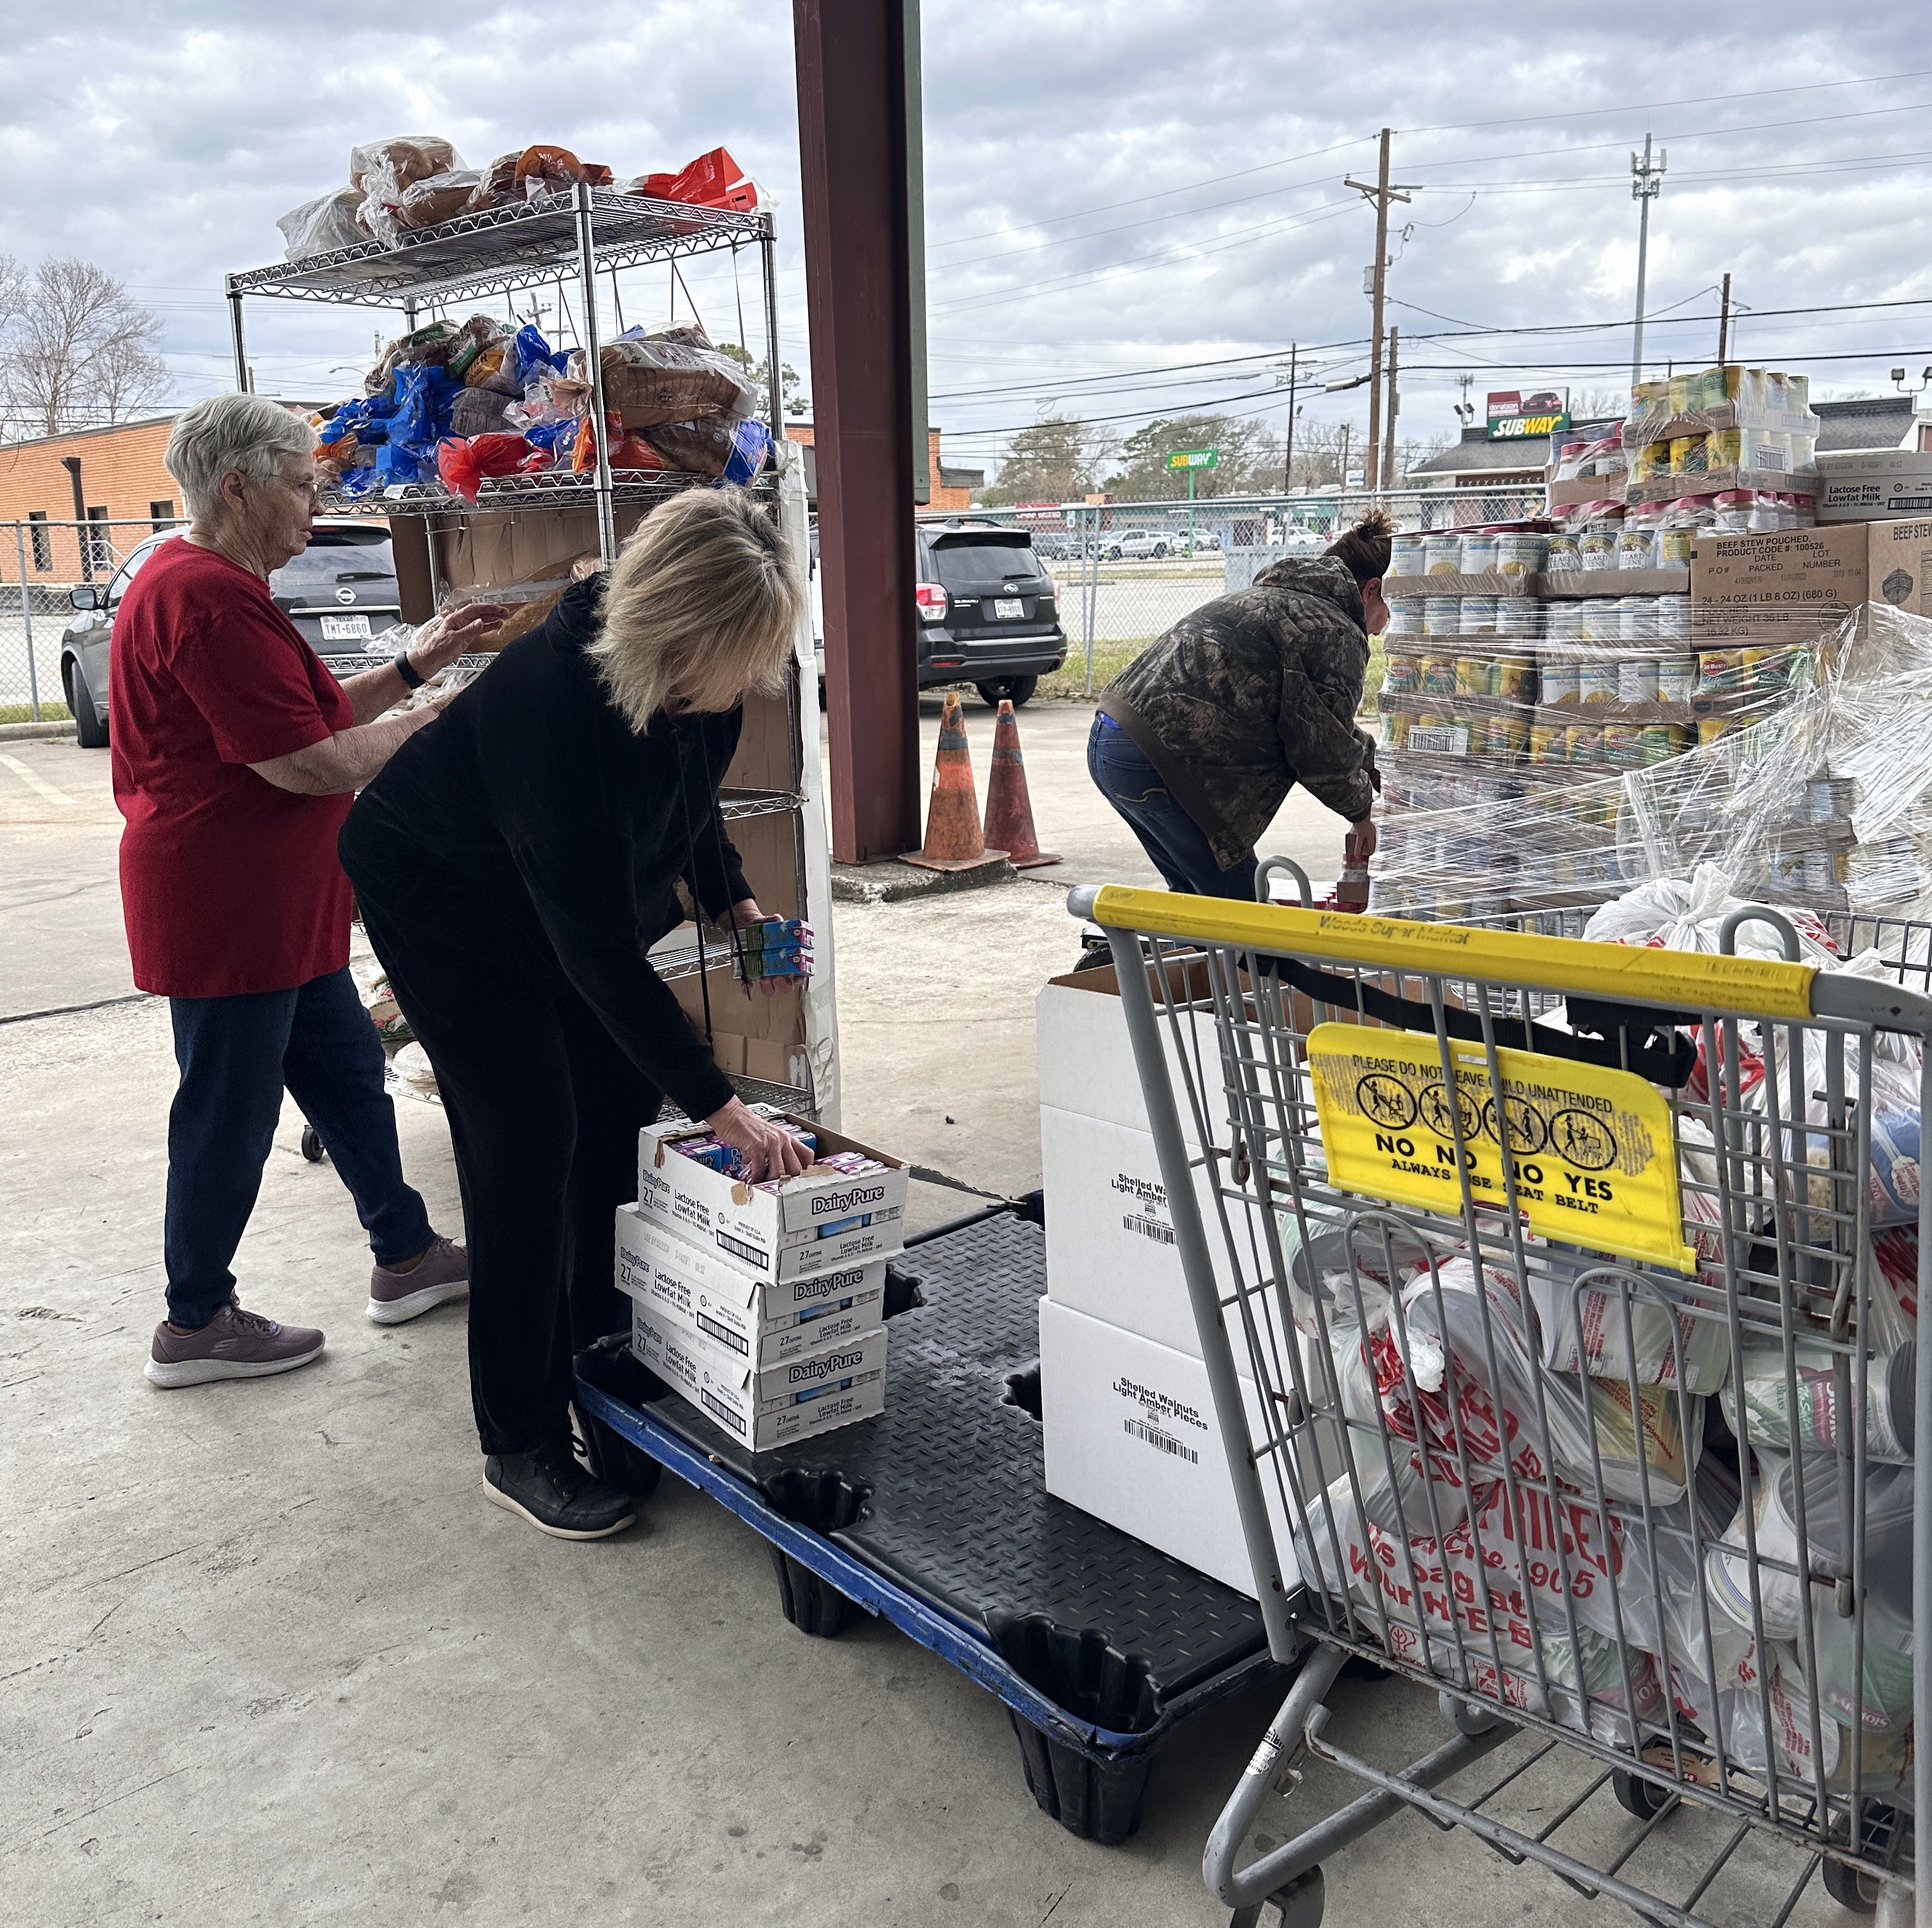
<point x="549" y="1489"/>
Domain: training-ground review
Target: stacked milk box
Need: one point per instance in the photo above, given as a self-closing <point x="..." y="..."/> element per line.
<point x="764" y="1304"/>
<point x="1131" y="1435"/>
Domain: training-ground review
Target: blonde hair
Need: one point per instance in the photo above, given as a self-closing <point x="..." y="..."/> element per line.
<point x="703" y="603"/>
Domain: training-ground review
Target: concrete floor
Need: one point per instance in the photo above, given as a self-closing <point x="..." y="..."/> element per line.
<point x="266" y="1657"/>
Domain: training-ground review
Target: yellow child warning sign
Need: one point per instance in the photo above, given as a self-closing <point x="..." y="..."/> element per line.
<point x="1590" y="1148"/>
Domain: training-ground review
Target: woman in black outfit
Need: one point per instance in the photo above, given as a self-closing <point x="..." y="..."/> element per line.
<point x="514" y="862"/>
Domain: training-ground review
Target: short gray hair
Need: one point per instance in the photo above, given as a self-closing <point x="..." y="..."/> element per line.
<point x="231" y="432"/>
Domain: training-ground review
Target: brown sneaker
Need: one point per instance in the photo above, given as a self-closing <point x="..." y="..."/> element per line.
<point x="234" y="1344"/>
<point x="443" y="1272"/>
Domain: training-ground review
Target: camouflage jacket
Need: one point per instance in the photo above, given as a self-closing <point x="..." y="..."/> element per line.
<point x="1252" y="694"/>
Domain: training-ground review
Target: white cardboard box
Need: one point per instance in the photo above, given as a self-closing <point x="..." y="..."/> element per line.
<point x="1874" y="485"/>
<point x="785" y="1403"/>
<point x="1130" y="1436"/>
<point x="816" y="1224"/>
<point x="1110" y="1240"/>
<point x="1086" y="1064"/>
<point x="763" y="1323"/>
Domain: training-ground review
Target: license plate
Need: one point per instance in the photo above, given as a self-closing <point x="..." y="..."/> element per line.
<point x="343" y="628"/>
<point x="1008" y="608"/>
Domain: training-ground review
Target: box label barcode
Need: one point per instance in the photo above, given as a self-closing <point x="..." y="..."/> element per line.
<point x="1148" y="1228"/>
<point x="1162" y="1442"/>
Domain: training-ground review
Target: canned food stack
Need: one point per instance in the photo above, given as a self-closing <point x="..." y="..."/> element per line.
<point x="1502" y="682"/>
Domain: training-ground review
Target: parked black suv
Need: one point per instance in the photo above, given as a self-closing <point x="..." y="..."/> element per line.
<point x="340" y="593"/>
<point x="987" y="611"/>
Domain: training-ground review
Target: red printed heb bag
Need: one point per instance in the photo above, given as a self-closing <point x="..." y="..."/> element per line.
<point x="1433" y="1377"/>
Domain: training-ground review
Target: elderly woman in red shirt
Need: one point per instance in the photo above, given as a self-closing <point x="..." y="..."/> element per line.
<point x="236" y="756"/>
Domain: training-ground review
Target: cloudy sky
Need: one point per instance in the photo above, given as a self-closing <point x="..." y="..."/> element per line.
<point x="1132" y="208"/>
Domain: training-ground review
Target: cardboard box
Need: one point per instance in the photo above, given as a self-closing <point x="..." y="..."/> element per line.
<point x="1874" y="485"/>
<point x="1807" y="566"/>
<point x="819" y="1222"/>
<point x="779" y="1406"/>
<point x="735" y="1313"/>
<point x="1898" y="564"/>
<point x="1110" y="1239"/>
<point x="1130" y="1436"/>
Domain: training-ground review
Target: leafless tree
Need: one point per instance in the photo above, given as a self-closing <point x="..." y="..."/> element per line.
<point x="78" y="351"/>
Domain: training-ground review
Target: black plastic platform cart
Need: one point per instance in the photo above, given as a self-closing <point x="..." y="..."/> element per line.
<point x="935" y="1516"/>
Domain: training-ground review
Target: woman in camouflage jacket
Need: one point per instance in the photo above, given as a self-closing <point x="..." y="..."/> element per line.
<point x="1199" y="740"/>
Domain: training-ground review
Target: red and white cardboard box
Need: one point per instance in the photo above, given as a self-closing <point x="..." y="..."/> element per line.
<point x="816" y="1223"/>
<point x="735" y="1312"/>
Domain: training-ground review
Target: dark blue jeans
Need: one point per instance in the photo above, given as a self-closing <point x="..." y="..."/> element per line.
<point x="236" y="1055"/>
<point x="1176" y="843"/>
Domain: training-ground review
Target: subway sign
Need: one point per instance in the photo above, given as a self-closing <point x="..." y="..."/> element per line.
<point x="1513" y="416"/>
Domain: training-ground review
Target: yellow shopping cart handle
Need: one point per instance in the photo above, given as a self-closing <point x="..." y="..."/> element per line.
<point x="1759" y="987"/>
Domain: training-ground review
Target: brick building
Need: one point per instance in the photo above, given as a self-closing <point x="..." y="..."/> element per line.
<point x="122" y="481"/>
<point x="952" y="488"/>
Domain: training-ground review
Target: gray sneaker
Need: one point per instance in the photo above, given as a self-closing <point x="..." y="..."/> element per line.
<point x="234" y="1344"/>
<point x="443" y="1272"/>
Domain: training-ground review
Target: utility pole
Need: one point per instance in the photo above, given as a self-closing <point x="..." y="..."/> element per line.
<point x="1724" y="322"/>
<point x="1388" y="444"/>
<point x="1287" y="461"/>
<point x="1646" y="184"/>
<point x="1342" y="475"/>
<point x="1381" y="193"/>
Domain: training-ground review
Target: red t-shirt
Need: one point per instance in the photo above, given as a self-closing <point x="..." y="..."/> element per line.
<point x="228" y="884"/>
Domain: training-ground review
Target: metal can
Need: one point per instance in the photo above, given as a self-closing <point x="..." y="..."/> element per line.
<point x="1676" y="677"/>
<point x="1586" y="746"/>
<point x="1442" y="616"/>
<point x="1564" y="554"/>
<point x="1548" y="743"/>
<point x="1559" y="676"/>
<point x="1520" y="552"/>
<point x="1508" y="735"/>
<point x="1637" y="679"/>
<point x="1717" y="672"/>
<point x="1564" y="622"/>
<point x="1402" y="675"/>
<point x="1520" y="616"/>
<point x="1637" y="618"/>
<point x="1515" y="679"/>
<point x="1597" y="682"/>
<point x="1477" y="555"/>
<point x="1660" y="744"/>
<point x="1396" y="727"/>
<point x="1479" y="615"/>
<point x="1442" y="555"/>
<point x="1673" y="616"/>
<point x="1438" y="676"/>
<point x="1475" y="675"/>
<point x="1623" y="745"/>
<point x="1600" y="620"/>
<point x="1710" y="728"/>
<point x="1406" y="555"/>
<point x="1597" y="548"/>
<point x="1405" y="616"/>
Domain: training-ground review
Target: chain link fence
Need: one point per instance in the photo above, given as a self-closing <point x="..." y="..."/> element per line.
<point x="42" y="562"/>
<point x="1125" y="572"/>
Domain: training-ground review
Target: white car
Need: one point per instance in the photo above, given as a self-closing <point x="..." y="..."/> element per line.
<point x="1135" y="543"/>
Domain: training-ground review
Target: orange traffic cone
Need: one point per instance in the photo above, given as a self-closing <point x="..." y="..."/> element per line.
<point x="1009" y="809"/>
<point x="952" y="839"/>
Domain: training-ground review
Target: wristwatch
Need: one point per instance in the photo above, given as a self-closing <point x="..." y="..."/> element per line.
<point x="412" y="677"/>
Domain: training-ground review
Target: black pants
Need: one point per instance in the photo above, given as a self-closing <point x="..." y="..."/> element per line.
<point x="544" y="1110"/>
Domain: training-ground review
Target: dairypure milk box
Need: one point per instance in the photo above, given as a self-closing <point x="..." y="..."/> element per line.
<point x="732" y="1310"/>
<point x="814" y="1223"/>
<point x="798" y="1400"/>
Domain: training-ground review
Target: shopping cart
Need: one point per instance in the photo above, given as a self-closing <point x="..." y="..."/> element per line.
<point x="1519" y="1264"/>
